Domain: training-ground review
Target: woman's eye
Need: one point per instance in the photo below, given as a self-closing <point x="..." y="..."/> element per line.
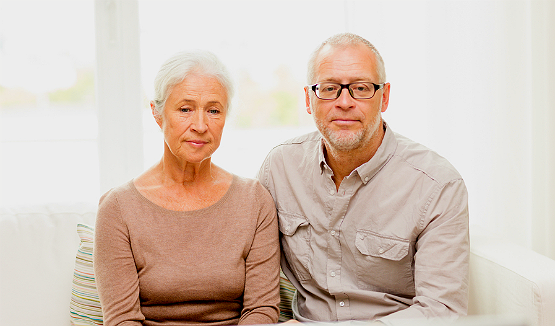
<point x="214" y="111"/>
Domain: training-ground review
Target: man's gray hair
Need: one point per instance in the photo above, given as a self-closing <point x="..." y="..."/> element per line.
<point x="180" y="66"/>
<point x="345" y="40"/>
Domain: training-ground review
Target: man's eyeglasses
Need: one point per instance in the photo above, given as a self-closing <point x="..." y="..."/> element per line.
<point x="358" y="90"/>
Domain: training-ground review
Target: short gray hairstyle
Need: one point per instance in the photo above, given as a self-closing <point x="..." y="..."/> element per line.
<point x="345" y="40"/>
<point x="180" y="66"/>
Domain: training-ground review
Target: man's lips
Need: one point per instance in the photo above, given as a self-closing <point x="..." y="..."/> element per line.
<point x="344" y="121"/>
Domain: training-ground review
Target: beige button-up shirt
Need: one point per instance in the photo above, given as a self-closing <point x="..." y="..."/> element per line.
<point x="392" y="241"/>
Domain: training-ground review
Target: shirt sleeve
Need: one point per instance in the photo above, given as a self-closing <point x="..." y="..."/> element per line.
<point x="264" y="173"/>
<point x="261" y="296"/>
<point x="442" y="257"/>
<point x="116" y="275"/>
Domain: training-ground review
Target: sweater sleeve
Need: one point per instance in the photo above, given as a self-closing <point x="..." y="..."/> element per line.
<point x="261" y="296"/>
<point x="116" y="275"/>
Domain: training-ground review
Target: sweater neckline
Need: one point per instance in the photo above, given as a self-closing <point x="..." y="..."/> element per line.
<point x="155" y="206"/>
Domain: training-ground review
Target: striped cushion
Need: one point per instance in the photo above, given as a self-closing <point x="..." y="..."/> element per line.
<point x="85" y="307"/>
<point x="286" y="293"/>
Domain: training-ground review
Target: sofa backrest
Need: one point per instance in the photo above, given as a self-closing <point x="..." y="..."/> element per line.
<point x="38" y="245"/>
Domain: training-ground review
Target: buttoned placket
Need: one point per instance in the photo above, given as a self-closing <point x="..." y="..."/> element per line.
<point x="336" y="215"/>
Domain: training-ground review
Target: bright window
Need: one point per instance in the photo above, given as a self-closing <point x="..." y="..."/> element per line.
<point x="48" y="128"/>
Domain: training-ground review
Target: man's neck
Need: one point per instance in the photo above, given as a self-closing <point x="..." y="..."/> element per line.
<point x="343" y="163"/>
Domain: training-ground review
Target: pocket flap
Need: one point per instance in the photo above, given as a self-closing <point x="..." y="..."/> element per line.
<point x="289" y="223"/>
<point x="375" y="245"/>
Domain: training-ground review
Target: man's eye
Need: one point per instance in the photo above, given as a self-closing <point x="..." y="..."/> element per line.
<point x="361" y="88"/>
<point x="329" y="88"/>
<point x="214" y="111"/>
<point x="185" y="110"/>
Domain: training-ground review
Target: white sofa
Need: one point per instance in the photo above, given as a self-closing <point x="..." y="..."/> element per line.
<point x="38" y="245"/>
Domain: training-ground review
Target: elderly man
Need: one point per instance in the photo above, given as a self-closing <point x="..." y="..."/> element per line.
<point x="373" y="226"/>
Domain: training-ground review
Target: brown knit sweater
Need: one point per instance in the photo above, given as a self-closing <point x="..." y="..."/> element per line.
<point x="213" y="266"/>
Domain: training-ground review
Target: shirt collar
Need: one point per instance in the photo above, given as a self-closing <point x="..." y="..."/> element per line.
<point x="367" y="170"/>
<point x="384" y="153"/>
<point x="321" y="156"/>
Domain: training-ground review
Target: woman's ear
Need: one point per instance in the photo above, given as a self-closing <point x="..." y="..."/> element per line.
<point x="157" y="116"/>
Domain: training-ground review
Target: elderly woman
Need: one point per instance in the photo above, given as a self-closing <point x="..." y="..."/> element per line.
<point x="187" y="242"/>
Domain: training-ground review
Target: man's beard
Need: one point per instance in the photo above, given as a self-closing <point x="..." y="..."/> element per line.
<point x="346" y="140"/>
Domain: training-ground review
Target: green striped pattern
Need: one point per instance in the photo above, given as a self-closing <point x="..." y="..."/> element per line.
<point x="85" y="307"/>
<point x="286" y="293"/>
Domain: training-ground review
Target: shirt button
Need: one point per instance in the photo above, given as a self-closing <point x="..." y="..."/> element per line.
<point x="341" y="303"/>
<point x="381" y="250"/>
<point x="332" y="232"/>
<point x="366" y="179"/>
<point x="332" y="192"/>
<point x="332" y="274"/>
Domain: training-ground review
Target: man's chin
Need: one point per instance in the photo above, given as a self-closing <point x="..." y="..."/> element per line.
<point x="344" y="140"/>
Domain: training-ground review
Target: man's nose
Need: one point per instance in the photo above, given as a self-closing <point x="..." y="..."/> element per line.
<point x="345" y="99"/>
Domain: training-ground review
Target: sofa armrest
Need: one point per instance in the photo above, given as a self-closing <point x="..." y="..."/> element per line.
<point x="507" y="279"/>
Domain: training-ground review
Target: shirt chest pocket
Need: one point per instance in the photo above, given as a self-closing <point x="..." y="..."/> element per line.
<point x="384" y="263"/>
<point x="295" y="241"/>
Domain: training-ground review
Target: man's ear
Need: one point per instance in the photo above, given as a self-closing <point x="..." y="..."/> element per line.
<point x="307" y="99"/>
<point x="385" y="96"/>
<point x="156" y="114"/>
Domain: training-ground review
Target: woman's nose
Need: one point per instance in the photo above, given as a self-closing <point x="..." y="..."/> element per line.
<point x="199" y="122"/>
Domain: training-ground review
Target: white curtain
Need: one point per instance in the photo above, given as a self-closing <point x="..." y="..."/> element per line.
<point x="542" y="127"/>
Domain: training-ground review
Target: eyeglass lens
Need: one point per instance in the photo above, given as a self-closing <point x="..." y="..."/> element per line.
<point x="331" y="91"/>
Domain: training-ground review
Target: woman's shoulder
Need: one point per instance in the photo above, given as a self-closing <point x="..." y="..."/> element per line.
<point x="247" y="183"/>
<point x="122" y="191"/>
<point x="250" y="187"/>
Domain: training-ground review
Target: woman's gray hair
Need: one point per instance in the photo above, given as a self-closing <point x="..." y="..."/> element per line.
<point x="345" y="40"/>
<point x="180" y="66"/>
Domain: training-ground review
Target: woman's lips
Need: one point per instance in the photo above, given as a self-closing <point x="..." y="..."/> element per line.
<point x="197" y="143"/>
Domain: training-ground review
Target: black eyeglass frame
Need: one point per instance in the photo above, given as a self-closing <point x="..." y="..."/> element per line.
<point x="377" y="87"/>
